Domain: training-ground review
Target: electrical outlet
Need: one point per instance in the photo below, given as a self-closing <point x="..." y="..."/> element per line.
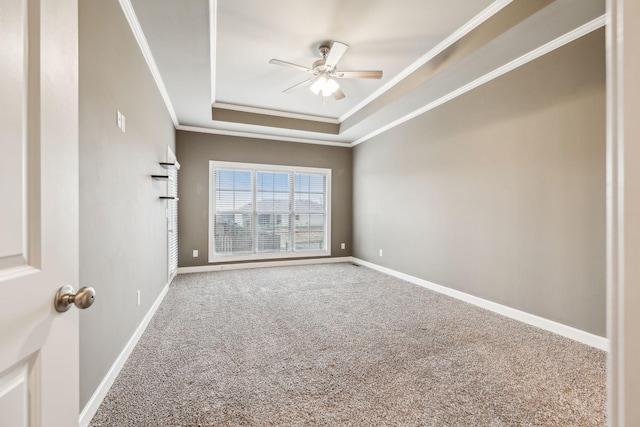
<point x="380" y="252"/>
<point x="195" y="253"/>
<point x="138" y="296"/>
<point x="343" y="246"/>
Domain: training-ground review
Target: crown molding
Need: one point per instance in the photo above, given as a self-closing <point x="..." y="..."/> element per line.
<point x="261" y="136"/>
<point x="518" y="62"/>
<point x="213" y="37"/>
<point x="134" y="24"/>
<point x="276" y="113"/>
<point x="475" y="22"/>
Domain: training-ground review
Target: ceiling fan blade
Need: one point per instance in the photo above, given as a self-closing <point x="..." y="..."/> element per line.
<point x="359" y="74"/>
<point x="335" y="53"/>
<point x="338" y="94"/>
<point x="299" y="85"/>
<point x="289" y="64"/>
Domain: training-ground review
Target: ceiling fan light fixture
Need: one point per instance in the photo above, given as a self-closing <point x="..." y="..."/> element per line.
<point x="319" y="85"/>
<point x="324" y="72"/>
<point x="330" y="87"/>
<point x="324" y="85"/>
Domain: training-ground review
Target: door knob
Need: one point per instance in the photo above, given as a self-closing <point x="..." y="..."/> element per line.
<point x="67" y="296"/>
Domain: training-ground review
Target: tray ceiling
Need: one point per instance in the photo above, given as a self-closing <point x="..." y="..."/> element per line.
<point x="211" y="58"/>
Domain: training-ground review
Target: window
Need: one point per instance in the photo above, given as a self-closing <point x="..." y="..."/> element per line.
<point x="267" y="211"/>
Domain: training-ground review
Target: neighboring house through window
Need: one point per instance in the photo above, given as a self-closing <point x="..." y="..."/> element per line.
<point x="268" y="211"/>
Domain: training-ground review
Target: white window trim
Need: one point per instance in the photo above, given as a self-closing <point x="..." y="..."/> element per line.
<point x="213" y="258"/>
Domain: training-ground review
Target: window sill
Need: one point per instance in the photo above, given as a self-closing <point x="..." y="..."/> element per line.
<point x="268" y="256"/>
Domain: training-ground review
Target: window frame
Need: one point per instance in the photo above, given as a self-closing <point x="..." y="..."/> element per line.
<point x="213" y="257"/>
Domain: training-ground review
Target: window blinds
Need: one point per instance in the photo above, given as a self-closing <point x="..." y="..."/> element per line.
<point x="268" y="211"/>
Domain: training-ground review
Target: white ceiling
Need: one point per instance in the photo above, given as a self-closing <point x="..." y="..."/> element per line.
<point x="381" y="34"/>
<point x="210" y="52"/>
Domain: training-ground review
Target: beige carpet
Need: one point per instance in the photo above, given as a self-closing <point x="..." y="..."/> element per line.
<point x="341" y="345"/>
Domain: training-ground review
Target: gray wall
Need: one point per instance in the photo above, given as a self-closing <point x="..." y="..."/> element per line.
<point x="499" y="193"/>
<point x="196" y="149"/>
<point x="123" y="237"/>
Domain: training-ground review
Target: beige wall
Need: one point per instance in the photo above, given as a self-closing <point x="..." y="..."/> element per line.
<point x="196" y="149"/>
<point x="123" y="237"/>
<point x="499" y="193"/>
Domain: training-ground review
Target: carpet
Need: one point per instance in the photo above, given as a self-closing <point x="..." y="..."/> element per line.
<point x="342" y="345"/>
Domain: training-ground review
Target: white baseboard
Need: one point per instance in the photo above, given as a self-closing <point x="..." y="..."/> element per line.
<point x="531" y="319"/>
<point x="98" y="396"/>
<point x="278" y="263"/>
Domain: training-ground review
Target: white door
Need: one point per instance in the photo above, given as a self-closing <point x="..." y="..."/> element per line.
<point x="38" y="211"/>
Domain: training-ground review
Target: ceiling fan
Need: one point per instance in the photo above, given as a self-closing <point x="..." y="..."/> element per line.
<point x="324" y="72"/>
